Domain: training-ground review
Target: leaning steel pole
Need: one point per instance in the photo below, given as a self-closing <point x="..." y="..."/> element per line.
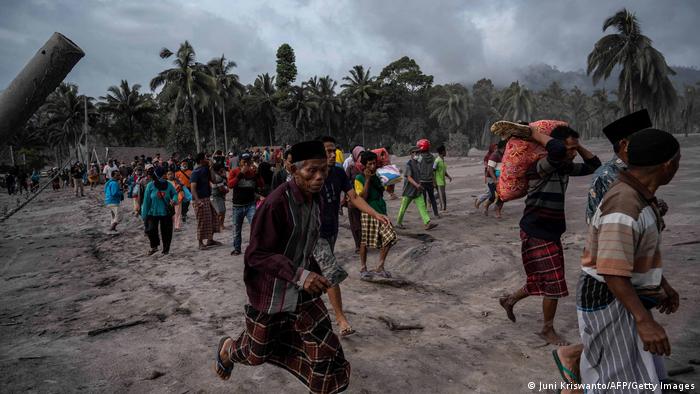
<point x="28" y="91"/>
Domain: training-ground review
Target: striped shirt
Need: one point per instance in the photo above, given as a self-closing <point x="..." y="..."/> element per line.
<point x="548" y="179"/>
<point x="625" y="236"/>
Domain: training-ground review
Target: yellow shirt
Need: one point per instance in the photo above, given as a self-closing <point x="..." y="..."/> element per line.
<point x="339" y="159"/>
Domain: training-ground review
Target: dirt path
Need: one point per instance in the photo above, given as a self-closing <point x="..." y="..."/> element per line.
<point x="63" y="277"/>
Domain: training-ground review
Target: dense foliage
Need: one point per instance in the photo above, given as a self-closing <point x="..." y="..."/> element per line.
<point x="196" y="106"/>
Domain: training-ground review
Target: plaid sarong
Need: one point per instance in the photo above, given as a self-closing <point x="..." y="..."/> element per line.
<point x="544" y="265"/>
<point x="375" y="234"/>
<point x="302" y="342"/>
<point x="207" y="224"/>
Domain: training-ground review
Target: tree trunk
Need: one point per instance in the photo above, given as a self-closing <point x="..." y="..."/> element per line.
<point x="223" y="115"/>
<point x="269" y="133"/>
<point x="194" y="124"/>
<point x="328" y="123"/>
<point x="213" y="128"/>
<point x="44" y="72"/>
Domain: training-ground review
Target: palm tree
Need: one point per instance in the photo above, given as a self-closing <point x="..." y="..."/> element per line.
<point x="644" y="75"/>
<point x="185" y="84"/>
<point x="517" y="102"/>
<point x="360" y="88"/>
<point x="228" y="87"/>
<point x="302" y="106"/>
<point x="450" y="108"/>
<point x="329" y="105"/>
<point x="261" y="102"/>
<point x="126" y="104"/>
<point x="65" y="109"/>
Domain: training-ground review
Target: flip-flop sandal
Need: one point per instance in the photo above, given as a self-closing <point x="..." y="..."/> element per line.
<point x="366" y="275"/>
<point x="213" y="243"/>
<point x="219" y="366"/>
<point x="383" y="274"/>
<point x="347" y="332"/>
<point x="563" y="371"/>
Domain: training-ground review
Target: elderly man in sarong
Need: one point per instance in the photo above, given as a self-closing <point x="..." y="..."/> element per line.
<point x="287" y="323"/>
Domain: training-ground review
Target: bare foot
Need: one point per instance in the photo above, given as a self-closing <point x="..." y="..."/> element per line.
<point x="508" y="306"/>
<point x="551" y="336"/>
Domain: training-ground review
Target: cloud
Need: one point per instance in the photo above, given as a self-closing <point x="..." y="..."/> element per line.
<point x="453" y="40"/>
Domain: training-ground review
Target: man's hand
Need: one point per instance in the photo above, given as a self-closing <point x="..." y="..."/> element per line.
<point x="450" y="178"/>
<point x="663" y="207"/>
<point x="315" y="283"/>
<point x="671" y="302"/>
<point x="383" y="219"/>
<point x="654" y="337"/>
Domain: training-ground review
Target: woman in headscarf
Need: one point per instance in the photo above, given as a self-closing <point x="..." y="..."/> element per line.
<point x="353" y="169"/>
<point x="157" y="210"/>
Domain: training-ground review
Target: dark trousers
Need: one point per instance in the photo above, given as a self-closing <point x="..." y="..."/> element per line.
<point x="443" y="197"/>
<point x="430" y="192"/>
<point x="355" y="225"/>
<point x="185" y="209"/>
<point x="166" y="231"/>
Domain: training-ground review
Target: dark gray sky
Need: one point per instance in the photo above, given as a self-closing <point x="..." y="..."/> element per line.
<point x="455" y="41"/>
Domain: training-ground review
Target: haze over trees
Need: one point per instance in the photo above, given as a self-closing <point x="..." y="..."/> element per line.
<point x="199" y="104"/>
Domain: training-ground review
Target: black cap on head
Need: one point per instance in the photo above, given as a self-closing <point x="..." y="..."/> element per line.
<point x="651" y="147"/>
<point x="625" y="126"/>
<point x="308" y="150"/>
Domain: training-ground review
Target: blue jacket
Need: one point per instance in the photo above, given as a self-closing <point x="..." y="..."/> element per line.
<point x="155" y="205"/>
<point x="113" y="193"/>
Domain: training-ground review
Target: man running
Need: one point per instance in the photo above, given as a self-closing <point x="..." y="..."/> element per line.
<point x="207" y="224"/>
<point x="287" y="323"/>
<point x="544" y="222"/>
<point x="622" y="278"/>
<point x="336" y="183"/>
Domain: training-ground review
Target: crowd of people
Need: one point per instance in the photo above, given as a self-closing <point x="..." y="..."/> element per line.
<point x="292" y="199"/>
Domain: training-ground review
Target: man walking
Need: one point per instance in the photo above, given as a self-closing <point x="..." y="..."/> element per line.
<point x="426" y="175"/>
<point x="544" y="222"/>
<point x="287" y="323"/>
<point x="113" y="198"/>
<point x="207" y="224"/>
<point x="413" y="192"/>
<point x="622" y="278"/>
<point x="440" y="169"/>
<point x="336" y="183"/>
<point x="246" y="185"/>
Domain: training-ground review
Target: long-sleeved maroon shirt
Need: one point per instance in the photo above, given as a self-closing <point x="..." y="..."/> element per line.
<point x="283" y="234"/>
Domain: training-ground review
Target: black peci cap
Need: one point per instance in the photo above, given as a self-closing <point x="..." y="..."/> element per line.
<point x="625" y="126"/>
<point x="650" y="147"/>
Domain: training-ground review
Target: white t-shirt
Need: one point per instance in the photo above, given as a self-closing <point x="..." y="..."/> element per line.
<point x="108" y="171"/>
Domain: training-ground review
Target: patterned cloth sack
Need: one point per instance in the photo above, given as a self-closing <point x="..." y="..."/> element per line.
<point x="520" y="155"/>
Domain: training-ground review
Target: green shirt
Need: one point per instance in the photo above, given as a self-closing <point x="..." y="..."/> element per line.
<point x="375" y="194"/>
<point x="440" y="171"/>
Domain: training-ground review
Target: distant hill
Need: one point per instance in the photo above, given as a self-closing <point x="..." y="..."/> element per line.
<point x="538" y="76"/>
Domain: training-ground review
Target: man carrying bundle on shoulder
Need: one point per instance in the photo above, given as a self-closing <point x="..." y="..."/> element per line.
<point x="544" y="221"/>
